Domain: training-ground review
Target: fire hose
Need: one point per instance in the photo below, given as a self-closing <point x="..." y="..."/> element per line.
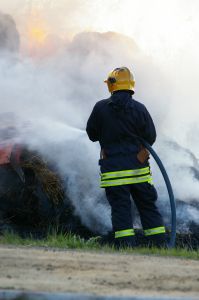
<point x="172" y="240"/>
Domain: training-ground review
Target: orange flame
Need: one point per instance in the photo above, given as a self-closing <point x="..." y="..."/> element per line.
<point x="37" y="34"/>
<point x="39" y="39"/>
<point x="36" y="31"/>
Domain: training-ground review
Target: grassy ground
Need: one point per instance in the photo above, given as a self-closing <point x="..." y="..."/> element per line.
<point x="69" y="241"/>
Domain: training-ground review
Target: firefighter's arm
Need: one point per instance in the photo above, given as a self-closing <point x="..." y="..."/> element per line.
<point x="148" y="130"/>
<point x="148" y="133"/>
<point x="92" y="126"/>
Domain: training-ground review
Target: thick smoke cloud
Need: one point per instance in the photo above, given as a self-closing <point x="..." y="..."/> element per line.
<point x="54" y="95"/>
<point x="9" y="36"/>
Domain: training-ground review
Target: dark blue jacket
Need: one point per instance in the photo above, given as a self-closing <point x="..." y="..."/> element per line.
<point x="115" y="122"/>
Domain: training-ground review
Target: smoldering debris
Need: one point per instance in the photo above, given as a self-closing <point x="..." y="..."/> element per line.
<point x="32" y="196"/>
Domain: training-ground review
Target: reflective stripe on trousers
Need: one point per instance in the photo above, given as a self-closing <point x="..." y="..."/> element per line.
<point x="124" y="233"/>
<point x="153" y="231"/>
<point x="126" y="177"/>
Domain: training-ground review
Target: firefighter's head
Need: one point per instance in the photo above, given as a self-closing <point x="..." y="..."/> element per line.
<point x="120" y="79"/>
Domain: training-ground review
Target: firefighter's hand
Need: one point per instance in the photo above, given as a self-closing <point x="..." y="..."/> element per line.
<point x="143" y="155"/>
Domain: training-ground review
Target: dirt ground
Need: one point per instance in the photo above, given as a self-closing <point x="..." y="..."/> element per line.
<point x="96" y="273"/>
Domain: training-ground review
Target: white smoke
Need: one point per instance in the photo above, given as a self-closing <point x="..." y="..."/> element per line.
<point x="9" y="37"/>
<point x="56" y="93"/>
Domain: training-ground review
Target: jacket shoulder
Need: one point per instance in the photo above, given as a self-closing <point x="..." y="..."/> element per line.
<point x="101" y="104"/>
<point x="139" y="106"/>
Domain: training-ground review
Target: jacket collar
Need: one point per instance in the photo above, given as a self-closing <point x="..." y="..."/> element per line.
<point x="121" y="100"/>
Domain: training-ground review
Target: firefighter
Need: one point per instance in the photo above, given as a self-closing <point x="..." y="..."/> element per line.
<point x="116" y="123"/>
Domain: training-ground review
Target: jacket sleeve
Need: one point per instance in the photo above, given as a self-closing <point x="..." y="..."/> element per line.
<point x="148" y="130"/>
<point x="92" y="128"/>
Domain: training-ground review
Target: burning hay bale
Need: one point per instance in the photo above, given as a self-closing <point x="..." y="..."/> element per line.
<point x="32" y="195"/>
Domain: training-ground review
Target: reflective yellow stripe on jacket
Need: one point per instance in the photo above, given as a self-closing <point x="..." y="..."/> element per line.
<point x="125" y="173"/>
<point x="126" y="177"/>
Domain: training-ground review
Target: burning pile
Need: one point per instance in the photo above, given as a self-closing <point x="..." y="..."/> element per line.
<point x="32" y="194"/>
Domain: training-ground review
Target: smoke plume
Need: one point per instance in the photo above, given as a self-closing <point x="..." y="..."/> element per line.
<point x="9" y="36"/>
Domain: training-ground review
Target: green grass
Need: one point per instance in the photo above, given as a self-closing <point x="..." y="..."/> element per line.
<point x="69" y="241"/>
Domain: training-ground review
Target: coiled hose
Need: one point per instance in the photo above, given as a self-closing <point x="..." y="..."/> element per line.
<point x="172" y="240"/>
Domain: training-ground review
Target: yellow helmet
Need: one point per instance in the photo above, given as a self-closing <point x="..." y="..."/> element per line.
<point x="120" y="79"/>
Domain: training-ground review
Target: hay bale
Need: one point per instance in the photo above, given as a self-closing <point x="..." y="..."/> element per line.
<point x="50" y="181"/>
<point x="38" y="203"/>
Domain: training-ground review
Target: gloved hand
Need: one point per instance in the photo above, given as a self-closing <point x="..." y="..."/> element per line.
<point x="143" y="155"/>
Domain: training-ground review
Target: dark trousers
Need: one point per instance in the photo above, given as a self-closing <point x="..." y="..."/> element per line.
<point x="144" y="196"/>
